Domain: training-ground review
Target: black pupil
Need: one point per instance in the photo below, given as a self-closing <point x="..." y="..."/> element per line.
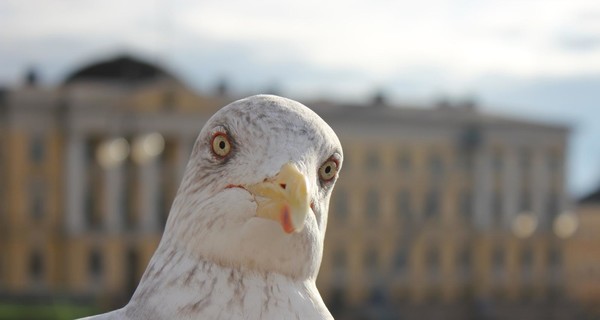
<point x="328" y="169"/>
<point x="222" y="144"/>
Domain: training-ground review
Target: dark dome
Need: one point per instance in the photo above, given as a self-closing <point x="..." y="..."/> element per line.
<point x="591" y="198"/>
<point x="119" y="69"/>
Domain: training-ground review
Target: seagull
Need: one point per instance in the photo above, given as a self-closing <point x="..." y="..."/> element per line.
<point x="244" y="237"/>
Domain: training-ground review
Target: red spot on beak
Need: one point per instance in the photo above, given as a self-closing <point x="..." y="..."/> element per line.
<point x="312" y="206"/>
<point x="286" y="220"/>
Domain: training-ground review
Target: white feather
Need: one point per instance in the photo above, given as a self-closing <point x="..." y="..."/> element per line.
<point x="216" y="259"/>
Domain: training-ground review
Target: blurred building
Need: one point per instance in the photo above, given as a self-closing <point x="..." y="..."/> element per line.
<point x="583" y="253"/>
<point x="89" y="172"/>
<point x="446" y="212"/>
<point x="439" y="212"/>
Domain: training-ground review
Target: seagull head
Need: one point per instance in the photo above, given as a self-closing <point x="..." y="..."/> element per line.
<point x="255" y="193"/>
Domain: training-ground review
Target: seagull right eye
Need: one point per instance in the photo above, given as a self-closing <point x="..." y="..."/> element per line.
<point x="221" y="146"/>
<point x="328" y="170"/>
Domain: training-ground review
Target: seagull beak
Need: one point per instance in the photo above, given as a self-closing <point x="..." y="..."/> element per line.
<point x="283" y="198"/>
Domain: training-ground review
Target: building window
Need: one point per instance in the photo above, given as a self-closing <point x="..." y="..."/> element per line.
<point x="527" y="262"/>
<point x="372" y="204"/>
<point x="555" y="167"/>
<point x="378" y="295"/>
<point x="554" y="162"/>
<point x="498" y="162"/>
<point x="130" y="194"/>
<point x="554" y="267"/>
<point x="339" y="266"/>
<point x="525" y="165"/>
<point x="525" y="201"/>
<point x="465" y="260"/>
<point x="132" y="271"/>
<point x="432" y="204"/>
<point x="497" y="208"/>
<point x="471" y="139"/>
<point x="436" y="168"/>
<point x="340" y="207"/>
<point x="464" y="161"/>
<point x="92" y="216"/>
<point x="336" y="301"/>
<point x="525" y="159"/>
<point x="373" y="161"/>
<point x="433" y="263"/>
<point x="37" y="201"/>
<point x="91" y="146"/>
<point x="466" y="205"/>
<point x="37" y="149"/>
<point x="498" y="167"/>
<point x="36" y="266"/>
<point x="527" y="257"/>
<point x="400" y="260"/>
<point x="37" y="210"/>
<point x="552" y="207"/>
<point x="405" y="162"/>
<point x="163" y="208"/>
<point x="169" y="179"/>
<point x="371" y="260"/>
<point x="404" y="204"/>
<point x="3" y="165"/>
<point x="498" y="261"/>
<point x="95" y="264"/>
<point x="339" y="259"/>
<point x="554" y="257"/>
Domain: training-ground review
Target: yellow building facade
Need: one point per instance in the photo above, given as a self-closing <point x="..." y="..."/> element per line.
<point x="426" y="214"/>
<point x="582" y="250"/>
<point x="439" y="211"/>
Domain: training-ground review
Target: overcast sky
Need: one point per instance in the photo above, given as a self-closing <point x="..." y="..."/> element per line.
<point x="534" y="59"/>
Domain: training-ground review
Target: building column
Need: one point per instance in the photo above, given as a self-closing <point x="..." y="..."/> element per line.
<point x="483" y="178"/>
<point x="76" y="187"/>
<point x="540" y="188"/>
<point x="564" y="203"/>
<point x="511" y="187"/>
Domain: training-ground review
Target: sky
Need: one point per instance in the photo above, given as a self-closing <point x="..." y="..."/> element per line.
<point x="537" y="60"/>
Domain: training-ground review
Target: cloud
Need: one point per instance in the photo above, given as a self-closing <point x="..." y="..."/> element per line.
<point x="580" y="42"/>
<point x="469" y="37"/>
<point x="381" y="39"/>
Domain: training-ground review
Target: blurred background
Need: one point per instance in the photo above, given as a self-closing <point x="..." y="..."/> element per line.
<point x="471" y="132"/>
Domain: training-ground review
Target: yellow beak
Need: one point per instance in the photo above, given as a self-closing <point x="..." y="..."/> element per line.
<point x="283" y="198"/>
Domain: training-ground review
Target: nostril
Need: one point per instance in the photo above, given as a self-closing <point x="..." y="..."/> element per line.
<point x="282" y="185"/>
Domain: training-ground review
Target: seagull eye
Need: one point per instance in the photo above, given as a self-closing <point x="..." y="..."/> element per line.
<point x="220" y="144"/>
<point x="328" y="170"/>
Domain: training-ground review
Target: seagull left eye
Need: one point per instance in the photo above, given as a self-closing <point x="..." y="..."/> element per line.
<point x="328" y="170"/>
<point x="221" y="146"/>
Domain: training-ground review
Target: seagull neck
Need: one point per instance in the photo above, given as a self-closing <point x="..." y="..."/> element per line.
<point x="172" y="262"/>
<point x="183" y="285"/>
<point x="171" y="265"/>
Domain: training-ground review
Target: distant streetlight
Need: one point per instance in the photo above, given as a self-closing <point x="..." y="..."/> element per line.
<point x="565" y="225"/>
<point x="113" y="152"/>
<point x="147" y="147"/>
<point x="524" y="225"/>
